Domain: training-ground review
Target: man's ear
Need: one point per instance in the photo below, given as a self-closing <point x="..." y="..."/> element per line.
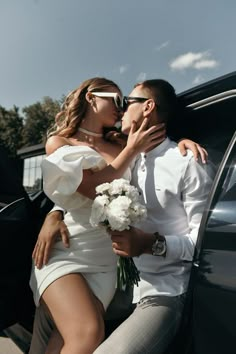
<point x="148" y="106"/>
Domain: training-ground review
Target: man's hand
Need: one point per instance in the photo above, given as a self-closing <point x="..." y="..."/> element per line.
<point x="132" y="242"/>
<point x="52" y="228"/>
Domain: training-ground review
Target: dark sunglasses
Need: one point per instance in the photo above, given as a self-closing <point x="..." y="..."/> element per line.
<point x="129" y="99"/>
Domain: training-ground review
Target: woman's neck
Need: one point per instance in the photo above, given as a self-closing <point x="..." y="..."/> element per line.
<point x="90" y="133"/>
<point x="91" y="126"/>
<point x="89" y="137"/>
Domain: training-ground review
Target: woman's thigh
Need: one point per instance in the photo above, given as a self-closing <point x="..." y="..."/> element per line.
<point x="148" y="330"/>
<point x="72" y="305"/>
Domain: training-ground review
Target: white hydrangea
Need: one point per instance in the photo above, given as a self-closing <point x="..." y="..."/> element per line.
<point x="98" y="214"/>
<point x="117" y="214"/>
<point x="119" y="186"/>
<point x="137" y="212"/>
<point x="117" y="205"/>
<point x="133" y="194"/>
<point x="102" y="188"/>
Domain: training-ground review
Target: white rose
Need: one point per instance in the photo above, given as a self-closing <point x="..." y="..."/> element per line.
<point x="118" y="213"/>
<point x="118" y="186"/>
<point x="98" y="213"/>
<point x="103" y="188"/>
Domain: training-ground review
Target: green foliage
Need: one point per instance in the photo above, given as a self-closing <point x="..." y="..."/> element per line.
<point x="17" y="131"/>
<point x="38" y="118"/>
<point x="11" y="128"/>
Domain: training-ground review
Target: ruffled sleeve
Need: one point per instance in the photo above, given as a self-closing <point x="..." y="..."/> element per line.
<point x="63" y="173"/>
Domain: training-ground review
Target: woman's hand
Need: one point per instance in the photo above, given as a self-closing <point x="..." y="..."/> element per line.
<point x="143" y="138"/>
<point x="53" y="227"/>
<point x="117" y="137"/>
<point x="196" y="149"/>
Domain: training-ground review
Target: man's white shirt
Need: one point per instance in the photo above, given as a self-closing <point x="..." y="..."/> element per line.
<point x="175" y="189"/>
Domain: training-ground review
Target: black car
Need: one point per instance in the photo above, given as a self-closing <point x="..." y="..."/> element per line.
<point x="209" y="321"/>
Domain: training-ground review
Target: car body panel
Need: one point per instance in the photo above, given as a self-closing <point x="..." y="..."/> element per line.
<point x="20" y="219"/>
<point x="214" y="286"/>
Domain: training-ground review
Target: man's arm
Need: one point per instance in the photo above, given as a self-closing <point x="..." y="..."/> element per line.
<point x="197" y="182"/>
<point x="52" y="228"/>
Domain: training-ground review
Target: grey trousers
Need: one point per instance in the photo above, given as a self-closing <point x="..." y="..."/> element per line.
<point x="42" y="330"/>
<point x="148" y="330"/>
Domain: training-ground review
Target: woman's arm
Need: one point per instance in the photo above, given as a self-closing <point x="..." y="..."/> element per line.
<point x="197" y="150"/>
<point x="139" y="140"/>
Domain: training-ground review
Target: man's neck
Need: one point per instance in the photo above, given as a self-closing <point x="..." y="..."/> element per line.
<point x="155" y="145"/>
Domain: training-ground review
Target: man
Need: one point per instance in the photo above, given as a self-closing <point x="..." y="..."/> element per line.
<point x="174" y="189"/>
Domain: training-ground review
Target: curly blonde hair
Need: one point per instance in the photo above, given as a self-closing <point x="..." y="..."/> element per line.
<point x="68" y="120"/>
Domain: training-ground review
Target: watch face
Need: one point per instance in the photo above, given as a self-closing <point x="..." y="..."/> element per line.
<point x="159" y="248"/>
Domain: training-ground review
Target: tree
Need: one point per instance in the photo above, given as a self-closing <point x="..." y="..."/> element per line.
<point x="38" y="118"/>
<point x="11" y="128"/>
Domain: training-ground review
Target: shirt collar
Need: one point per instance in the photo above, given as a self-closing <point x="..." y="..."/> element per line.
<point x="158" y="149"/>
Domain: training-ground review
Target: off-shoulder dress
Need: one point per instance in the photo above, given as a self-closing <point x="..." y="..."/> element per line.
<point x="90" y="252"/>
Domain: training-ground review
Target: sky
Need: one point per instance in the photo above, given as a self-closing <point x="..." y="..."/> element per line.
<point x="48" y="47"/>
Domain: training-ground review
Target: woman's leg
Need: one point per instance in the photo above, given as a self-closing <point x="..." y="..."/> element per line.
<point x="77" y="314"/>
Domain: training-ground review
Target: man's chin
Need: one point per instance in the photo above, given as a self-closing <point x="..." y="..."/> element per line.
<point x="125" y="130"/>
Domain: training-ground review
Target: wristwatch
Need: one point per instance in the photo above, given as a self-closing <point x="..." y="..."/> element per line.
<point x="159" y="246"/>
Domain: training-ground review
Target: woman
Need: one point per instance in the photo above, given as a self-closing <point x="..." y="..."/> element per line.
<point x="79" y="282"/>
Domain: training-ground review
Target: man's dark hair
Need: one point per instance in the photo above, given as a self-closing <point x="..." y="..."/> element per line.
<point x="164" y="95"/>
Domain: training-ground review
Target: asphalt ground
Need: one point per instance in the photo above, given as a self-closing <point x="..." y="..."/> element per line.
<point x="8" y="347"/>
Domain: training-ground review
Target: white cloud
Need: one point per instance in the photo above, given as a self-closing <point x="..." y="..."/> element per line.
<point x="141" y="76"/>
<point x="197" y="61"/>
<point x="123" y="69"/>
<point x="206" y="64"/>
<point x="198" y="79"/>
<point x="162" y="46"/>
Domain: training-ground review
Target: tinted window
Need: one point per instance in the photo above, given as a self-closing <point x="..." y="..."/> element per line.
<point x="223" y="215"/>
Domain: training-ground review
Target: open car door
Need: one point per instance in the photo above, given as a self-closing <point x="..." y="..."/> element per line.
<point x="20" y="219"/>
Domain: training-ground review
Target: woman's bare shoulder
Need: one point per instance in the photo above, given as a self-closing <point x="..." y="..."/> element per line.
<point x="55" y="142"/>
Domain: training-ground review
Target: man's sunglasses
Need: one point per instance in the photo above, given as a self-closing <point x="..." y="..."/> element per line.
<point x="116" y="97"/>
<point x="128" y="99"/>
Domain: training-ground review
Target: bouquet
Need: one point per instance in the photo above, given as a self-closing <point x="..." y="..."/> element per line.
<point x="117" y="206"/>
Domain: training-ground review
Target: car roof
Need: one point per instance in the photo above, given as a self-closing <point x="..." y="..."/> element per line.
<point x="221" y="84"/>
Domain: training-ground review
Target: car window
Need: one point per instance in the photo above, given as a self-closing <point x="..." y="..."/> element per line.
<point x="223" y="207"/>
<point x="229" y="185"/>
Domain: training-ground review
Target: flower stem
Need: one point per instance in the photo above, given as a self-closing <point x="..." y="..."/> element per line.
<point x="127" y="273"/>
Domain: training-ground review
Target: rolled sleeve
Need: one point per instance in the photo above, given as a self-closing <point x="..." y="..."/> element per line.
<point x="196" y="185"/>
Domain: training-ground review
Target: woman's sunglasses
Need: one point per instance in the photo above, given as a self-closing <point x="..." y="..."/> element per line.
<point x="116" y="97"/>
<point x="121" y="104"/>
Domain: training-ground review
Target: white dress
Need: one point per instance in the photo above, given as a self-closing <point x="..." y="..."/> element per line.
<point x="90" y="252"/>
